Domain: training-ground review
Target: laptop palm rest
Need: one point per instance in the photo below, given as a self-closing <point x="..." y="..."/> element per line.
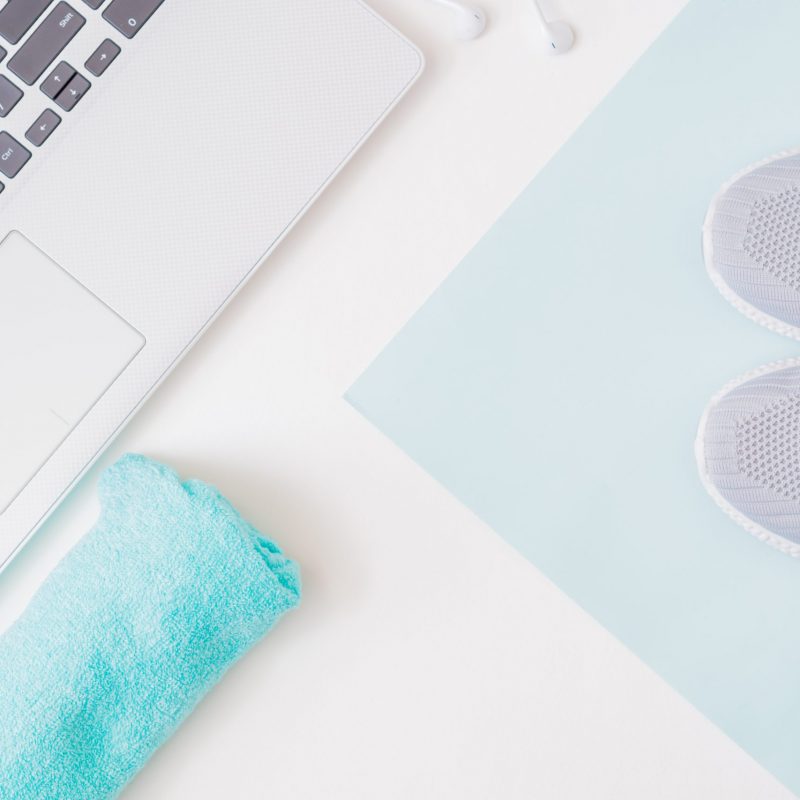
<point x="60" y="349"/>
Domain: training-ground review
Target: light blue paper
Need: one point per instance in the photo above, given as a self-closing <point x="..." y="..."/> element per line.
<point x="555" y="381"/>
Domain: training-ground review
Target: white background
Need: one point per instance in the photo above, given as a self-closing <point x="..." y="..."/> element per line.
<point x="429" y="659"/>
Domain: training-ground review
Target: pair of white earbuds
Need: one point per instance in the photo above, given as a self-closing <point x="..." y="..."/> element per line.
<point x="557" y="36"/>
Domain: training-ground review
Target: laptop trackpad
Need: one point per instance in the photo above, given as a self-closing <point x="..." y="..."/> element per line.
<point x="60" y="349"/>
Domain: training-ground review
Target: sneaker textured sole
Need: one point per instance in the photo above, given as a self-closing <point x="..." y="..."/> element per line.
<point x="752" y="527"/>
<point x="738" y="302"/>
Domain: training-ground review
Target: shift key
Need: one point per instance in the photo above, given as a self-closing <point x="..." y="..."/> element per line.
<point x="46" y="42"/>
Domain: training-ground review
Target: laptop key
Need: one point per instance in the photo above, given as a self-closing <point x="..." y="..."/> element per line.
<point x="74" y="93"/>
<point x="94" y="3"/>
<point x="46" y="42"/>
<point x="58" y="79"/>
<point x="40" y="131"/>
<point x="129" y="16"/>
<point x="13" y="156"/>
<point x="17" y="17"/>
<point x="10" y="95"/>
<point x="102" y="58"/>
<point x="3" y="53"/>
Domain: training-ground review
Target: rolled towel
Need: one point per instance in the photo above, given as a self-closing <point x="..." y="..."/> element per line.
<point x="129" y="632"/>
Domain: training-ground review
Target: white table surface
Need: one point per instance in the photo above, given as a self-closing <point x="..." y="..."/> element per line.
<point x="429" y="659"/>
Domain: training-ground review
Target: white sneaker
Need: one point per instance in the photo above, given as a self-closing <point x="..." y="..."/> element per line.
<point x="751" y="240"/>
<point x="748" y="453"/>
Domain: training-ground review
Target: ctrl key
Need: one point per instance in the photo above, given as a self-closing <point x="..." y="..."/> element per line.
<point x="13" y="156"/>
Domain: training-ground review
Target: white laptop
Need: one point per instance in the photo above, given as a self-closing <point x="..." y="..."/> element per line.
<point x="152" y="153"/>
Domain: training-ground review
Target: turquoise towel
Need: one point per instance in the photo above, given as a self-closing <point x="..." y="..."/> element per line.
<point x="130" y="631"/>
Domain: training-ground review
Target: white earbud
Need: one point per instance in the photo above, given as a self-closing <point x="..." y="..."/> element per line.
<point x="470" y="22"/>
<point x="558" y="36"/>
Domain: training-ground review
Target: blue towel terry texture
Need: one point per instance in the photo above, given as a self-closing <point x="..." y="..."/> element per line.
<point x="129" y="632"/>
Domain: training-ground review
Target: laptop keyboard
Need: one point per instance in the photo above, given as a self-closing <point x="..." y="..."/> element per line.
<point x="59" y="28"/>
<point x="48" y="34"/>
